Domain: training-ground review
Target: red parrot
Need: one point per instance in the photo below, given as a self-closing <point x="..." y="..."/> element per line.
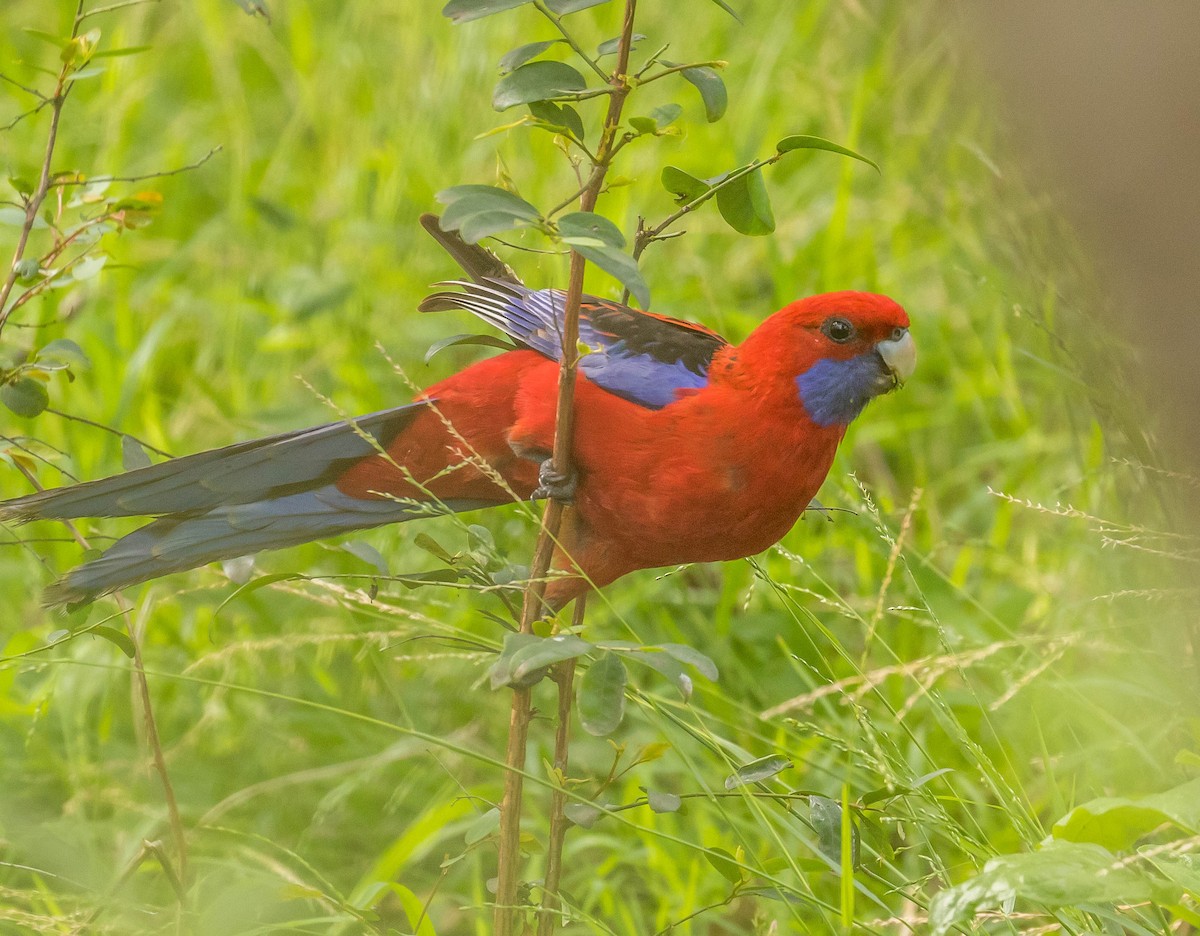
<point x="686" y="448"/>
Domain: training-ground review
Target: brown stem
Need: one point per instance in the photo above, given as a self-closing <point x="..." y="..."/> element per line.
<point x="565" y="677"/>
<point x="34" y="204"/>
<point x="510" y="807"/>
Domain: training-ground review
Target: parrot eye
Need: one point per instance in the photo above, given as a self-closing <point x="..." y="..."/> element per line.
<point x="838" y="329"/>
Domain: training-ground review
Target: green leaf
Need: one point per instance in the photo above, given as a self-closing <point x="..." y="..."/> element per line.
<point x="725" y="864"/>
<point x="584" y="815"/>
<point x="1116" y="823"/>
<point x="1063" y="874"/>
<point x="602" y="696"/>
<point x="758" y="770"/>
<point x="57" y="41"/>
<point x="745" y="205"/>
<point x="433" y="577"/>
<point x="463" y="11"/>
<point x="84" y="73"/>
<point x="25" y="396"/>
<point x="827" y="817"/>
<point x="692" y="657"/>
<point x="727" y="8"/>
<point x="537" y="81"/>
<point x="65" y="351"/>
<point x="488" y="341"/>
<point x="661" y="663"/>
<point x="482" y="827"/>
<point x="682" y="185"/>
<point x="117" y="638"/>
<point x="368" y="554"/>
<point x="133" y="456"/>
<point x="610" y="46"/>
<point x="26" y="269"/>
<point x="118" y="53"/>
<point x="522" y="54"/>
<point x="558" y="117"/>
<point x="476" y="211"/>
<point x="804" y="141"/>
<point x="525" y="656"/>
<point x="590" y="229"/>
<point x="433" y="547"/>
<point x="666" y="114"/>
<point x="617" y="264"/>
<point x="663" y="802"/>
<point x="711" y="88"/>
<point x="88" y="267"/>
<point x="563" y="7"/>
<point x="12" y="216"/>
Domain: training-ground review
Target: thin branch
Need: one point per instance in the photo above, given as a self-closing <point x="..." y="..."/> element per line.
<point x="565" y="678"/>
<point x="117" y="432"/>
<point x="646" y="236"/>
<point x="557" y="21"/>
<point x="34" y="91"/>
<point x="63" y="183"/>
<point x="113" y="6"/>
<point x="678" y="68"/>
<point x="29" y="113"/>
<point x="619" y="87"/>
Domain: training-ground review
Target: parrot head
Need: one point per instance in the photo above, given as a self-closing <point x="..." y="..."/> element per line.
<point x="840" y="349"/>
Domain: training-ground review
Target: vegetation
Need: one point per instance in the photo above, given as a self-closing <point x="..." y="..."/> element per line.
<point x="900" y="718"/>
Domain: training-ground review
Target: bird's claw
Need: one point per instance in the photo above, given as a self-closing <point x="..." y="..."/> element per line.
<point x="555" y="484"/>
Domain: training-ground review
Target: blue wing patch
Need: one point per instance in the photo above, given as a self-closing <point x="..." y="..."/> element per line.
<point x="642" y="357"/>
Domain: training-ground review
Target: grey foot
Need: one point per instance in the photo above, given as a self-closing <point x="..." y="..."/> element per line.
<point x="554" y="484"/>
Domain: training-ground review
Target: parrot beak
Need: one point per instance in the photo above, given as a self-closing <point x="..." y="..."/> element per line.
<point x="899" y="356"/>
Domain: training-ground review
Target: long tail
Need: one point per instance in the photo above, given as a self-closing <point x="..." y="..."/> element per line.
<point x="237" y="474"/>
<point x="175" y="543"/>
<point x="264" y="494"/>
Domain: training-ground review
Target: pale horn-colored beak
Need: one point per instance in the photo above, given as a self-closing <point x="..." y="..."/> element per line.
<point x="900" y="356"/>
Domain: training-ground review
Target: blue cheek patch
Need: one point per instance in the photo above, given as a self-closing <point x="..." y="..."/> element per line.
<point x="834" y="392"/>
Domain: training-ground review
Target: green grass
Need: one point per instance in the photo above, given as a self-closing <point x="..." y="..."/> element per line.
<point x="323" y="744"/>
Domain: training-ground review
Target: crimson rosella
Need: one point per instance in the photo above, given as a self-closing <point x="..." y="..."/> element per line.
<point x="686" y="448"/>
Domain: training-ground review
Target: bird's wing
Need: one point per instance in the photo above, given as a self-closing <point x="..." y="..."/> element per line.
<point x="641" y="356"/>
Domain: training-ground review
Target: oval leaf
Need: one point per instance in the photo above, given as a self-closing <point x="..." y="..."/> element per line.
<point x="804" y="141"/>
<point x="663" y="802"/>
<point x="617" y="264"/>
<point x="587" y="225"/>
<point x="711" y="88"/>
<point x="745" y="205"/>
<point x="557" y="118"/>
<point x="115" y="637"/>
<point x="488" y="341"/>
<point x="463" y="11"/>
<point x="482" y="827"/>
<point x="602" y="696"/>
<point x="692" y="657"/>
<point x="537" y="81"/>
<point x="756" y="771"/>
<point x="524" y="655"/>
<point x="563" y="7"/>
<point x="522" y="54"/>
<point x="133" y="456"/>
<point x="725" y="864"/>
<point x="684" y="186"/>
<point x="25" y="397"/>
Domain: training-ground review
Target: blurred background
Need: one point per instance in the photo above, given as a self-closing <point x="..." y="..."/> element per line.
<point x="995" y="627"/>
<point x="1103" y="103"/>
